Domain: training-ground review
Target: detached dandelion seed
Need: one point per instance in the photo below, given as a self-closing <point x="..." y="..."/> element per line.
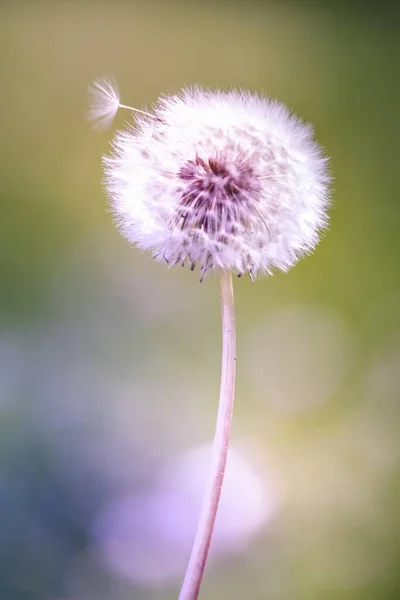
<point x="104" y="103"/>
<point x="216" y="181"/>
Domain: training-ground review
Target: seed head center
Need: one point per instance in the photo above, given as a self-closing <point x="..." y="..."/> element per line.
<point x="215" y="194"/>
<point x="214" y="176"/>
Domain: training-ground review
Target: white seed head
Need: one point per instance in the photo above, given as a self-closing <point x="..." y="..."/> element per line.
<point x="219" y="181"/>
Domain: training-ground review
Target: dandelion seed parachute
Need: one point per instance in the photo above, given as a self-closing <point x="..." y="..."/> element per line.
<point x="216" y="180"/>
<point x="103" y="103"/>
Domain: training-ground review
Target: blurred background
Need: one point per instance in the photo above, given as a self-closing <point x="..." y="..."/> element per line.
<point x="109" y="362"/>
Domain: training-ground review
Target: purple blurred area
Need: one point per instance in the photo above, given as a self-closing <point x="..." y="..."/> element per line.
<point x="147" y="538"/>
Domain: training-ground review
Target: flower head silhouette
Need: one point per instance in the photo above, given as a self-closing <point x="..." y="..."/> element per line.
<point x="216" y="180"/>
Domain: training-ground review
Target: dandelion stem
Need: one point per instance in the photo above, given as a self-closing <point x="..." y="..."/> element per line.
<point x="197" y="562"/>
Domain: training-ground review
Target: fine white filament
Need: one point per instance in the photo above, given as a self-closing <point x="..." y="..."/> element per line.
<point x="197" y="562"/>
<point x="104" y="103"/>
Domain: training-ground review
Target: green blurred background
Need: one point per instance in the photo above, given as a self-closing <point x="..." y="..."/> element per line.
<point x="109" y="363"/>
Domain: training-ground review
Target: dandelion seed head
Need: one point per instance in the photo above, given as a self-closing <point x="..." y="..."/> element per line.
<point x="219" y="180"/>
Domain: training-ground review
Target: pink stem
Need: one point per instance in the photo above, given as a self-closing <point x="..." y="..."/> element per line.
<point x="198" y="558"/>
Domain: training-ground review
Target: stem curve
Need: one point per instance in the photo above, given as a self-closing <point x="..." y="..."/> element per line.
<point x="198" y="558"/>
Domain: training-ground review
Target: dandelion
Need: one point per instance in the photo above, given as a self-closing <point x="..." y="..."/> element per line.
<point x="216" y="181"/>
